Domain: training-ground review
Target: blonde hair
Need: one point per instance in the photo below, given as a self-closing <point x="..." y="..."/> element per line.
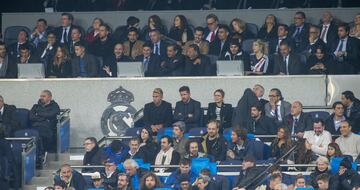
<point x="158" y="91"/>
<point x="241" y="23"/>
<point x="263" y="46"/>
<point x="322" y="159"/>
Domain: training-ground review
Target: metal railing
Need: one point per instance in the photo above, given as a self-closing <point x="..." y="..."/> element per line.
<point x="63" y="132"/>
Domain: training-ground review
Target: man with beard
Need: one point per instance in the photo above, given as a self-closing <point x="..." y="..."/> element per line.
<point x="213" y="143"/>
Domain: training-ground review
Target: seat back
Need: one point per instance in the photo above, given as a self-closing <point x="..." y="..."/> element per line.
<point x="247" y="45"/>
<point x="23" y="115"/>
<point x="253" y="28"/>
<point x="135" y="131"/>
<point x="259" y="150"/>
<point x="197" y="131"/>
<point x="11" y="33"/>
<point x="319" y="114"/>
<point x="27" y="133"/>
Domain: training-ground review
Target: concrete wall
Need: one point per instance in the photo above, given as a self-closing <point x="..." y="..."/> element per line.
<point x="196" y="17"/>
<point x="87" y="98"/>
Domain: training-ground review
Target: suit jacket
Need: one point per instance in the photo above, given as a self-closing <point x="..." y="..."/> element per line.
<point x="111" y="62"/>
<point x="215" y="48"/>
<point x="154" y="115"/>
<point x="354" y="118"/>
<point x="182" y="110"/>
<point x="10" y="119"/>
<point x="102" y="48"/>
<point x="207" y="31"/>
<point x="59" y="33"/>
<point x="202" y="69"/>
<point x="332" y="35"/>
<point x="12" y="49"/>
<point x="49" y="55"/>
<point x="203" y="46"/>
<point x="274" y="42"/>
<point x="173" y="66"/>
<point x="225" y="114"/>
<point x="311" y="48"/>
<point x="301" y="39"/>
<point x="352" y="50"/>
<point x="153" y="67"/>
<point x="263" y="126"/>
<point x="304" y="124"/>
<point x="246" y="178"/>
<point x="136" y="48"/>
<point x="285" y="109"/>
<point x="330" y="125"/>
<point x="91" y="66"/>
<point x="163" y="46"/>
<point x="295" y="66"/>
<point x="241" y="113"/>
<point x="12" y="70"/>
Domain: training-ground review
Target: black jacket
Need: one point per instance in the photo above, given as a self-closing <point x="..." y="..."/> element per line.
<point x="91" y="66"/>
<point x="328" y="62"/>
<point x="154" y="115"/>
<point x="354" y="116"/>
<point x="182" y="110"/>
<point x="225" y="114"/>
<point x="43" y="117"/>
<point x="153" y="69"/>
<point x="111" y="62"/>
<point x="173" y="66"/>
<point x="330" y="126"/>
<point x="217" y="148"/>
<point x="102" y="49"/>
<point x="295" y="66"/>
<point x="202" y="69"/>
<point x="246" y="178"/>
<point x="304" y="123"/>
<point x="96" y="156"/>
<point x="263" y="126"/>
<point x="333" y="181"/>
<point x="348" y="180"/>
<point x="247" y="149"/>
<point x="10" y="119"/>
<point x="241" y="114"/>
<point x="215" y="47"/>
<point x="63" y="70"/>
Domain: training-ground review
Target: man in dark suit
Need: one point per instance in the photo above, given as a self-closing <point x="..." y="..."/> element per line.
<point x="332" y="123"/>
<point x="346" y="51"/>
<point x="8" y="118"/>
<point x="46" y="50"/>
<point x="197" y="64"/>
<point x="277" y="108"/>
<point x="75" y="37"/>
<point x="22" y="39"/>
<point x="84" y="64"/>
<point x="328" y="29"/>
<point x="282" y="33"/>
<point x="8" y="68"/>
<point x="259" y="92"/>
<point x="151" y="62"/>
<point x="299" y="31"/>
<point x="188" y="109"/>
<point x="40" y="32"/>
<point x="211" y="30"/>
<point x="260" y="124"/>
<point x="102" y="46"/>
<point x="110" y="63"/>
<point x="158" y="45"/>
<point x="63" y="32"/>
<point x="297" y="121"/>
<point x="174" y="63"/>
<point x="314" y="41"/>
<point x="351" y="109"/>
<point x="287" y="63"/>
<point x="26" y="56"/>
<point x="221" y="45"/>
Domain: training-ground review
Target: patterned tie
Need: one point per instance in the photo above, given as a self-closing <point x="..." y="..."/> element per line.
<point x="323" y="33"/>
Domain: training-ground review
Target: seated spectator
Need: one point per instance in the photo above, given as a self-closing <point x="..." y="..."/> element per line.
<point x="323" y="182"/>
<point x="76" y="36"/>
<point x="236" y="53"/>
<point x="110" y="63"/>
<point x="8" y="118"/>
<point x="84" y="64"/>
<point x="63" y="32"/>
<point x="314" y="41"/>
<point x="247" y="174"/>
<point x="110" y="174"/>
<point x="94" y="155"/>
<point x="60" y="66"/>
<point x="179" y="139"/>
<point x="238" y="27"/>
<point x="199" y="41"/>
<point x="180" y="31"/>
<point x="220" y="111"/>
<point x="154" y="22"/>
<point x="26" y="56"/>
<point x="8" y="166"/>
<point x="348" y="141"/>
<point x="328" y="28"/>
<point x="204" y="183"/>
<point x="355" y="29"/>
<point x="275" y="182"/>
<point x="259" y="93"/>
<point x="148" y="148"/>
<point x="47" y="50"/>
<point x="97" y="181"/>
<point x="268" y="30"/>
<point x="192" y="150"/>
<point x="351" y="109"/>
<point x="134" y="153"/>
<point x="241" y="113"/>
<point x="197" y="64"/>
<point x="347" y="177"/>
<point x="345" y="51"/>
<point x="299" y="32"/>
<point x="94" y="33"/>
<point x="299" y="182"/>
<point x="174" y="62"/>
<point x="322" y="167"/>
<point x="214" y="144"/>
<point x="104" y="45"/>
<point x="43" y="118"/>
<point x="118" y="151"/>
<point x="134" y="173"/>
<point x="211" y="30"/>
<point x="39" y="33"/>
<point x="133" y="47"/>
<point x="332" y="123"/>
<point x="221" y="45"/>
<point x="301" y="155"/>
<point x="150" y="181"/>
<point x="277" y="108"/>
<point x="22" y="39"/>
<point x="320" y="62"/>
<point x="240" y="146"/>
<point x="260" y="124"/>
<point x="71" y="177"/>
<point x="287" y="62"/>
<point x="333" y="151"/>
<point x="58" y="185"/>
<point x="121" y="33"/>
<point x="282" y="35"/>
<point x="297" y="121"/>
<point x="151" y="62"/>
<point x="8" y="67"/>
<point x="187" y="109"/>
<point x="318" y="139"/>
<point x="184" y="181"/>
<point x="158" y="113"/>
<point x="259" y="61"/>
<point x="167" y="155"/>
<point x="281" y="144"/>
<point x="286" y="179"/>
<point x="123" y="182"/>
<point x="158" y="45"/>
<point x="174" y="180"/>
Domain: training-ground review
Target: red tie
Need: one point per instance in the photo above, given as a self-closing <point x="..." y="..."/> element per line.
<point x="212" y="38"/>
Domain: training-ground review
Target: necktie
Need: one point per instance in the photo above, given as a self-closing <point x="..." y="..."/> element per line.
<point x="212" y="37"/>
<point x="146" y="64"/>
<point x="297" y="31"/>
<point x="286" y="65"/>
<point x="276" y="113"/>
<point x="157" y="49"/>
<point x="324" y="31"/>
<point x="65" y="35"/>
<point x="294" y="125"/>
<point x="341" y="45"/>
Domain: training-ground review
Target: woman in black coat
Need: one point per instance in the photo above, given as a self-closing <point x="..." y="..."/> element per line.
<point x="269" y="29"/>
<point x="321" y="62"/>
<point x="60" y="66"/>
<point x="148" y="148"/>
<point x="180" y="31"/>
<point x="220" y="111"/>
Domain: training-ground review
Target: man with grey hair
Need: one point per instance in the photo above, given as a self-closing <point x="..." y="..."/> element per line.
<point x="43" y="118"/>
<point x="178" y="137"/>
<point x="259" y="92"/>
<point x="8" y="118"/>
<point x="134" y="173"/>
<point x="297" y="121"/>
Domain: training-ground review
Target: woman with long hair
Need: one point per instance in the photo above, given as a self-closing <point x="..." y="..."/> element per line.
<point x="282" y="143"/>
<point x="60" y="66"/>
<point x="333" y="151"/>
<point x="180" y="31"/>
<point x="259" y="61"/>
<point x="269" y="29"/>
<point x="355" y="29"/>
<point x="154" y="22"/>
<point x="148" y="148"/>
<point x="150" y="181"/>
<point x="321" y="62"/>
<point x="238" y="28"/>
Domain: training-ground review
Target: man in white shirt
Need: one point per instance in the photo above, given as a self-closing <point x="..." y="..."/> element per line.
<point x="318" y="139"/>
<point x="348" y="142"/>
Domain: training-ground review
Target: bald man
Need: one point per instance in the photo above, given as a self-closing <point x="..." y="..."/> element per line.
<point x="297" y="121"/>
<point x="71" y="177"/>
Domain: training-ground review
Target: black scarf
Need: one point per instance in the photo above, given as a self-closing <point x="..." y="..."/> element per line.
<point x="90" y="155"/>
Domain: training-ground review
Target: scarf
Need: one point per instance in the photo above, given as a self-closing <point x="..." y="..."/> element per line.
<point x="160" y="156"/>
<point x="4" y="66"/>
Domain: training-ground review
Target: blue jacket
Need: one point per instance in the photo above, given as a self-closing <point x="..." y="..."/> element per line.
<point x="173" y="182"/>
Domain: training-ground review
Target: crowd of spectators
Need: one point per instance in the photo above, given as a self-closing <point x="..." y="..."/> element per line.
<point x="329" y="47"/>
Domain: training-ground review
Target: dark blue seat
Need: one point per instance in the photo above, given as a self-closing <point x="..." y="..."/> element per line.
<point x="27" y="133"/>
<point x="259" y="150"/>
<point x="11" y="33"/>
<point x="319" y="114"/>
<point x="229" y="169"/>
<point x="135" y="131"/>
<point x="164" y="131"/>
<point x="221" y="182"/>
<point x="197" y="131"/>
<point x="23" y="115"/>
<point x="253" y="28"/>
